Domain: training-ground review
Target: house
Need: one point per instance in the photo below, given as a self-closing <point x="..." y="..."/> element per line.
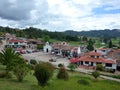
<point x="47" y="48"/>
<point x="60" y="48"/>
<point x="93" y="58"/>
<point x="103" y="51"/>
<point x="16" y="43"/>
<point x="8" y="36"/>
<point x="65" y="50"/>
<point x="32" y="43"/>
<point x="115" y="54"/>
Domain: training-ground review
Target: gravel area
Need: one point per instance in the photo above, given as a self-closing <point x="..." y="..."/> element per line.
<point x="41" y="56"/>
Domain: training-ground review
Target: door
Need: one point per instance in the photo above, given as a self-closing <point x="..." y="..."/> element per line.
<point x="47" y="50"/>
<point x="91" y="63"/>
<point x="81" y="62"/>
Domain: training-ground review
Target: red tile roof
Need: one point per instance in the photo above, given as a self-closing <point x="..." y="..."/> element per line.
<point x="89" y="59"/>
<point x="15" y="40"/>
<point x="95" y="53"/>
<point x="74" y="60"/>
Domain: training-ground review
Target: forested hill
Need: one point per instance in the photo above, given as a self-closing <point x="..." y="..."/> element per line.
<point x="95" y="33"/>
<point x="69" y="35"/>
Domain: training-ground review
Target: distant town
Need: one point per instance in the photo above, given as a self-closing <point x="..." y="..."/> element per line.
<point x="84" y="57"/>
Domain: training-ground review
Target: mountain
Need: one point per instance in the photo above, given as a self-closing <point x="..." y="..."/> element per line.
<point x="95" y="33"/>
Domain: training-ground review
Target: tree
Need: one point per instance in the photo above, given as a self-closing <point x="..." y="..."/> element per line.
<point x="60" y="65"/>
<point x="46" y="38"/>
<point x="110" y="44"/>
<point x="99" y="67"/>
<point x="43" y="72"/>
<point x="95" y="74"/>
<point x="62" y="74"/>
<point x="7" y="56"/>
<point x="20" y="69"/>
<point x="90" y="45"/>
<point x="84" y="39"/>
<point x="32" y="61"/>
<point x="72" y="66"/>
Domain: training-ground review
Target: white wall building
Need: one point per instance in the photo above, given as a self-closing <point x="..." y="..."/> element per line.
<point x="47" y="48"/>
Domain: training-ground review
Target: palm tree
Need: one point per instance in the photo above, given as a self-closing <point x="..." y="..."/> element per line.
<point x="7" y="56"/>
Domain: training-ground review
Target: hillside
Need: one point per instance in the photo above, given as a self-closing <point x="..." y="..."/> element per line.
<point x="95" y="33"/>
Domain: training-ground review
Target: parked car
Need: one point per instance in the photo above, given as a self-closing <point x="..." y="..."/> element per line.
<point x="52" y="59"/>
<point x="29" y="51"/>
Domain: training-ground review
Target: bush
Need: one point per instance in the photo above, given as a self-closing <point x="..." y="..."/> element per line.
<point x="60" y="65"/>
<point x="62" y="74"/>
<point x="20" y="72"/>
<point x="20" y="69"/>
<point x="43" y="72"/>
<point x="72" y="66"/>
<point x="39" y="46"/>
<point x="33" y="62"/>
<point x="95" y="74"/>
<point x="5" y="75"/>
<point x="116" y="76"/>
<point x="8" y="75"/>
<point x="83" y="82"/>
<point x="99" y="67"/>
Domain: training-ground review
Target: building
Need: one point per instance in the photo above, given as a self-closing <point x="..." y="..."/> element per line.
<point x="93" y="58"/>
<point x="8" y="36"/>
<point x="16" y="44"/>
<point x="47" y="48"/>
<point x="115" y="54"/>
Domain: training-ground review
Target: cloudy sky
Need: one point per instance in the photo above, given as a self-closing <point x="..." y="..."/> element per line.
<point x="61" y="15"/>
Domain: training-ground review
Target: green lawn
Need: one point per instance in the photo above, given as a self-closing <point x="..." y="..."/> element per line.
<point x="30" y="83"/>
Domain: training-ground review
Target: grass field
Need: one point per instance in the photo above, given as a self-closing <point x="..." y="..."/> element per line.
<point x="30" y="83"/>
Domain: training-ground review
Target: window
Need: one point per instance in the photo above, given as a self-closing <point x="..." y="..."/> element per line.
<point x="10" y="42"/>
<point x="97" y="56"/>
<point x="98" y="63"/>
<point x="86" y="62"/>
<point x="103" y="50"/>
<point x="92" y="56"/>
<point x="108" y="65"/>
<point x="15" y="42"/>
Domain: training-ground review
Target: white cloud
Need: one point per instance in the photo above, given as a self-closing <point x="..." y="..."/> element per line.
<point x="66" y="14"/>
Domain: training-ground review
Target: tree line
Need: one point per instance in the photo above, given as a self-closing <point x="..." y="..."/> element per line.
<point x="35" y="33"/>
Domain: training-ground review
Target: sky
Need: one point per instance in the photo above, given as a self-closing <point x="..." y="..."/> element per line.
<point x="61" y="15"/>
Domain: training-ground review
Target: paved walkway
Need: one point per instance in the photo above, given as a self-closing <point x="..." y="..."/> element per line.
<point x="110" y="78"/>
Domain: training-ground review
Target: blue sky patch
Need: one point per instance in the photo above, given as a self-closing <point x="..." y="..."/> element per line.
<point x="102" y="10"/>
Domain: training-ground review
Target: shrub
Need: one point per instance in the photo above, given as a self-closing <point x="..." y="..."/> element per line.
<point x="60" y="65"/>
<point x="116" y="76"/>
<point x="8" y="75"/>
<point x="33" y="62"/>
<point x="20" y="69"/>
<point x="62" y="74"/>
<point x="20" y="72"/>
<point x="99" y="67"/>
<point x="43" y="72"/>
<point x="72" y="66"/>
<point x="83" y="82"/>
<point x="95" y="74"/>
<point x="3" y="74"/>
<point x="39" y="46"/>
